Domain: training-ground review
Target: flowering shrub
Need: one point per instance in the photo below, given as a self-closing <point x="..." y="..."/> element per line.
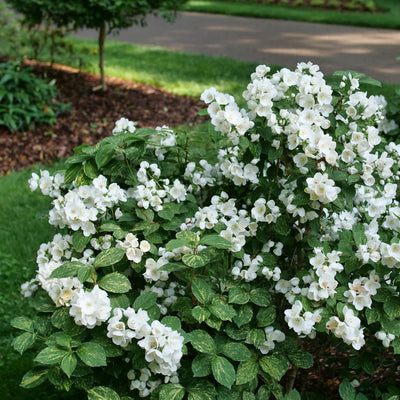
<point x="226" y="276"/>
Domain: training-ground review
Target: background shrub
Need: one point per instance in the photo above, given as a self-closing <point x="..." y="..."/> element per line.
<point x="25" y="99"/>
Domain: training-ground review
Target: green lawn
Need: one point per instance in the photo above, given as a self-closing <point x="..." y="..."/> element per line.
<point x="177" y="72"/>
<point x="389" y="19"/>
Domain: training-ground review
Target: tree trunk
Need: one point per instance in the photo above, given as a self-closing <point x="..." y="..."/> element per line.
<point x="102" y="39"/>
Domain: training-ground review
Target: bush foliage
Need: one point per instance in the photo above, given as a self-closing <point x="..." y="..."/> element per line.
<point x="227" y="274"/>
<point x="25" y="99"/>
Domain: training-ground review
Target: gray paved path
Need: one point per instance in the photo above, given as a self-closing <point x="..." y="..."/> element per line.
<point x="333" y="47"/>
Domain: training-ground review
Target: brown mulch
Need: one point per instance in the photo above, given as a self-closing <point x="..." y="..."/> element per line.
<point x="92" y="117"/>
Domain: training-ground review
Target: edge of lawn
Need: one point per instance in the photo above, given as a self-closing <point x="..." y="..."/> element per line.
<point x="389" y="18"/>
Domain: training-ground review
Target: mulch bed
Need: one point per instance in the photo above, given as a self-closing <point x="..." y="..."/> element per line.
<point x="92" y="117"/>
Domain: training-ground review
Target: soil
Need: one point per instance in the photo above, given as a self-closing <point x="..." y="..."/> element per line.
<point x="92" y="116"/>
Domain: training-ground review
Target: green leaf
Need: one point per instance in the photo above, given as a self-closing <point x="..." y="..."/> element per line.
<point x="244" y="315"/>
<point x="108" y="257"/>
<point x="223" y="371"/>
<point x="169" y="211"/>
<point x="396" y="346"/>
<point x="71" y="173"/>
<point x="145" y="301"/>
<point x="90" y="169"/>
<point x="301" y="199"/>
<point x="247" y="371"/>
<point x="200" y="313"/>
<point x="216" y="241"/>
<point x="68" y="364"/>
<point x="201" y="390"/>
<point x="23" y="323"/>
<point x="266" y="316"/>
<point x="104" y="155"/>
<point x="174" y="267"/>
<point x="62" y="320"/>
<point x="359" y="234"/>
<point x="202" y="112"/>
<point x="246" y="395"/>
<point x="102" y="393"/>
<point x="292" y="395"/>
<point x="227" y="394"/>
<point x="260" y="297"/>
<point x="172" y="391"/>
<point x="79" y="241"/>
<point x="202" y="341"/>
<point x="173" y="322"/>
<point x="214" y="322"/>
<point x="92" y="354"/>
<point x="236" y="351"/>
<point x="201" y="290"/>
<point x="176" y="243"/>
<point x="69" y="270"/>
<point x="275" y="365"/>
<point x="392" y="307"/>
<point x="238" y="295"/>
<point x="236" y="333"/>
<point x="195" y="260"/>
<point x="274" y="154"/>
<point x="201" y="365"/>
<point x="370" y="81"/>
<point x="301" y="359"/>
<point x="51" y="355"/>
<point x="352" y="263"/>
<point x="120" y="301"/>
<point x="347" y="391"/>
<point x="23" y="342"/>
<point x="115" y="283"/>
<point x="191" y="236"/>
<point x="147" y="215"/>
<point x="222" y="310"/>
<point x="62" y="339"/>
<point x="34" y="378"/>
<point x="256" y="337"/>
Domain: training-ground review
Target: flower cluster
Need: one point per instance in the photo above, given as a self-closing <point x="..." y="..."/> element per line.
<point x="90" y="308"/>
<point x="302" y="324"/>
<point x="124" y="125"/>
<point x="321" y="188"/>
<point x="142" y="383"/>
<point x="386" y="338"/>
<point x="348" y="329"/>
<point x="134" y="249"/>
<point x="167" y="294"/>
<point x="325" y="268"/>
<point x="250" y="273"/>
<point x="225" y="114"/>
<point x="265" y="211"/>
<point x="202" y="174"/>
<point x="48" y="185"/>
<point x="163" y="138"/>
<point x="237" y="171"/>
<point x="81" y="207"/>
<point x="162" y="345"/>
<point x="272" y="335"/>
<point x="237" y="223"/>
<point x="153" y="191"/>
<point x="361" y="290"/>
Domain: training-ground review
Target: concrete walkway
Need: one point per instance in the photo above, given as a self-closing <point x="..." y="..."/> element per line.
<point x="332" y="47"/>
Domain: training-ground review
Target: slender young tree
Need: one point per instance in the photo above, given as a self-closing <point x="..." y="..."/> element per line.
<point x="106" y="16"/>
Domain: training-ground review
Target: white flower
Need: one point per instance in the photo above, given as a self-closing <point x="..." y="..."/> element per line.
<point x="90" y="308"/>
